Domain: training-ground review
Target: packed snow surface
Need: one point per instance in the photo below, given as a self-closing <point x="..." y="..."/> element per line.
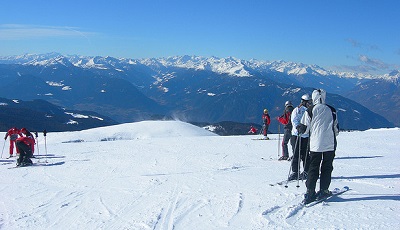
<point x="173" y="175"/>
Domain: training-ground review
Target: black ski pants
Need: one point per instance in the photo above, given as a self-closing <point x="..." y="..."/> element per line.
<point x="300" y="147"/>
<point x="326" y="168"/>
<point x="25" y="152"/>
<point x="286" y="138"/>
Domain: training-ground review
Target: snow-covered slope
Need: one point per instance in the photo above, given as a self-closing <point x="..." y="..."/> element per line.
<point x="172" y="175"/>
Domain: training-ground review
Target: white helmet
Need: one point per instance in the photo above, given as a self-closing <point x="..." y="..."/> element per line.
<point x="288" y="103"/>
<point x="305" y="97"/>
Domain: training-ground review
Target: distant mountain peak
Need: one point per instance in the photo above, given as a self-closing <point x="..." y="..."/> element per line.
<point x="57" y="60"/>
<point x="229" y="65"/>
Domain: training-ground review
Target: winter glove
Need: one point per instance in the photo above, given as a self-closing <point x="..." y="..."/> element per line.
<point x="301" y="128"/>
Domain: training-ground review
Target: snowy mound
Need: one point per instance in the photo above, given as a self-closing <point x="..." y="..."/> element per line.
<point x="133" y="131"/>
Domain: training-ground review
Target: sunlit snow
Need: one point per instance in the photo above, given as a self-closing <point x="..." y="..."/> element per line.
<point x="173" y="175"/>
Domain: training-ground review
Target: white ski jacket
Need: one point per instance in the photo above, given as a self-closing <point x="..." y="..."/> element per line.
<point x="322" y="124"/>
<point x="295" y="118"/>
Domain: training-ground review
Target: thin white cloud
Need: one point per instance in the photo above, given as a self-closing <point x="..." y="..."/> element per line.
<point x="368" y="66"/>
<point x="355" y="69"/>
<point x="373" y="62"/>
<point x="21" y="32"/>
<point x="361" y="45"/>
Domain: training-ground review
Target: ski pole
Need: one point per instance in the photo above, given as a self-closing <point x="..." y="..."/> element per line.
<point x="290" y="168"/>
<point x="287" y="180"/>
<point x="298" y="163"/>
<point x="305" y="157"/>
<point x="279" y="140"/>
<point x="37" y="142"/>
<point x="2" y="151"/>
<point x="45" y="144"/>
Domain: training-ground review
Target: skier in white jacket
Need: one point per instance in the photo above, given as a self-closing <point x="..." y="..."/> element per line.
<point x="320" y="121"/>
<point x="299" y="142"/>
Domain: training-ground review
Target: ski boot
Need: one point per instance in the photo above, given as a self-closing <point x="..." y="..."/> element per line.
<point x="303" y="176"/>
<point x="293" y="176"/>
<point x="283" y="158"/>
<point x="322" y="194"/>
<point x="309" y="197"/>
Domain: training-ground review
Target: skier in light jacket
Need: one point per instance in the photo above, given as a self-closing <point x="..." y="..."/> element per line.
<point x="320" y="120"/>
<point x="299" y="141"/>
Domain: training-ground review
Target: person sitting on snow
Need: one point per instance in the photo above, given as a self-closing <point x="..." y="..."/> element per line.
<point x="25" y="146"/>
<point x="30" y="135"/>
<point x="252" y="130"/>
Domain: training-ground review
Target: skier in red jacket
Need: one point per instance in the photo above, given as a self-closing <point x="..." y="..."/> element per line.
<point x="284" y="119"/>
<point x="266" y="121"/>
<point x="25" y="146"/>
<point x="13" y="133"/>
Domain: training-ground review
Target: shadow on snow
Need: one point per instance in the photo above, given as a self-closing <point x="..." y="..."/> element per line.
<point x="393" y="176"/>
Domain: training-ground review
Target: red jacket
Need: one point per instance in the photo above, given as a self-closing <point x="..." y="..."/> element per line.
<point x="28" y="141"/>
<point x="252" y="130"/>
<point x="285" y="118"/>
<point x="13" y="133"/>
<point x="266" y="119"/>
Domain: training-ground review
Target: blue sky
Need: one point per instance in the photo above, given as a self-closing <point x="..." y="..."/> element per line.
<point x="352" y="35"/>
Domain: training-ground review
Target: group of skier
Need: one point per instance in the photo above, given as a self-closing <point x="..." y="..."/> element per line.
<point x="24" y="142"/>
<point x="311" y="128"/>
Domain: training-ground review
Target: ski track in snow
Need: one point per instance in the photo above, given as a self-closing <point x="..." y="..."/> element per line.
<point x="284" y="214"/>
<point x="194" y="182"/>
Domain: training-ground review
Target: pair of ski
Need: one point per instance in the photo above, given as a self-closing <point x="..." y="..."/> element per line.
<point x="335" y="192"/>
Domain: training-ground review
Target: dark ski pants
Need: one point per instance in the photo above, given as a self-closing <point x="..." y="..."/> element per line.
<point x="326" y="170"/>
<point x="25" y="152"/>
<point x="265" y="130"/>
<point x="302" y="145"/>
<point x="286" y="138"/>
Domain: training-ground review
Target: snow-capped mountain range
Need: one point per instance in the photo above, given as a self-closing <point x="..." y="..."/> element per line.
<point x="230" y="65"/>
<point x="192" y="88"/>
